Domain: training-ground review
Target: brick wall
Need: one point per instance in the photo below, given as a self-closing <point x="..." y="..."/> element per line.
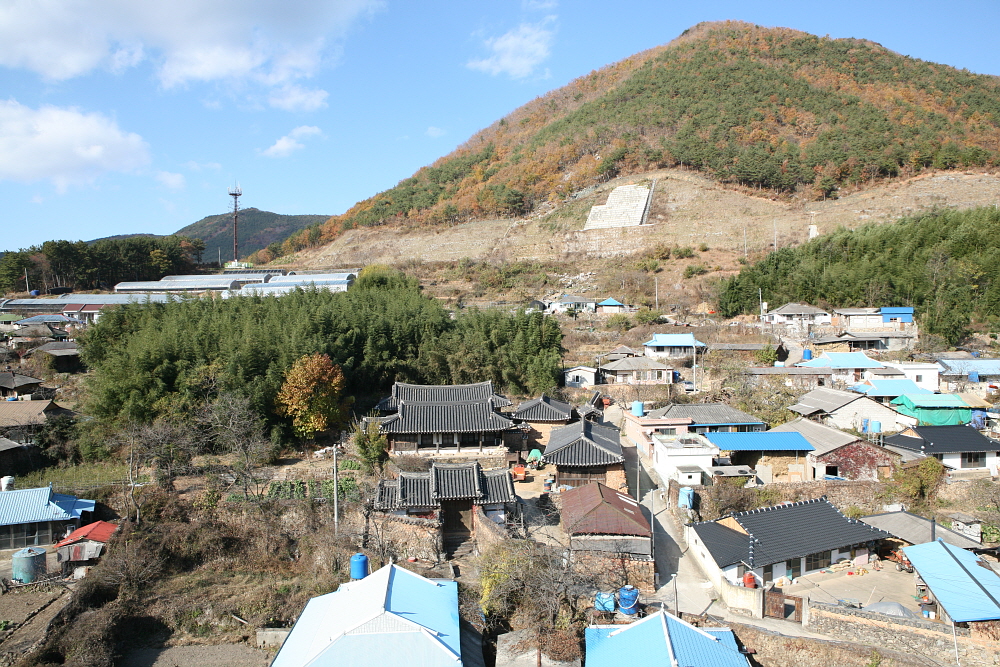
<point x="614" y="478"/>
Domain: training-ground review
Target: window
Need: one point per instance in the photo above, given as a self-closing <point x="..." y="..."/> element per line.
<point x="794" y="567"/>
<point x="820" y="383"/>
<point x="832" y="471"/>
<point x="768" y="573"/>
<point x="666" y="431"/>
<point x="918" y="378"/>
<point x="973" y="459"/>
<point x="818" y="561"/>
<point x="426" y="439"/>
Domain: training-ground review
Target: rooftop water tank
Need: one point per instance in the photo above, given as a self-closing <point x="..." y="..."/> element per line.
<point x="638" y="409"/>
<point x="28" y="565"/>
<point x="807" y="354"/>
<point x="628" y="600"/>
<point x="359" y="566"/>
<point x="685" y="499"/>
<point x="874" y="427"/>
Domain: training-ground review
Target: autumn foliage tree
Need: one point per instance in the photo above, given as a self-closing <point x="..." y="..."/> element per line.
<point x="312" y="395"/>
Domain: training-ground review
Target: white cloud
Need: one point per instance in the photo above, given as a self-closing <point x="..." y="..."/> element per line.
<point x="435" y="132"/>
<point x="270" y="42"/>
<point x="37" y="199"/>
<point x="291" y="97"/>
<point x="518" y="52"/>
<point x="170" y="180"/>
<point x="64" y="145"/>
<point x="290" y="143"/>
<point x="201" y="166"/>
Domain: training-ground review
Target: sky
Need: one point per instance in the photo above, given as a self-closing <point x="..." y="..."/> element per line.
<point x="126" y="116"/>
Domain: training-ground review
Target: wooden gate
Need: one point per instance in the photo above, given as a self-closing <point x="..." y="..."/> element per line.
<point x="785" y="607"/>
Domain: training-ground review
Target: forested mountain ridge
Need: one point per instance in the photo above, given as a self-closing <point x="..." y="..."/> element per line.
<point x="768" y="108"/>
<point x="258" y="229"/>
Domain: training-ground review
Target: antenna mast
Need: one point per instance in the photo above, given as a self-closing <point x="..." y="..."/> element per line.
<point x="235" y="193"/>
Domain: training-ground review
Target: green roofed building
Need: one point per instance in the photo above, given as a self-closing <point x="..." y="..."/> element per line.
<point x="934" y="409"/>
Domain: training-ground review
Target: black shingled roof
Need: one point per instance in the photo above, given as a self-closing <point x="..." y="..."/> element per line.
<point x="456" y="481"/>
<point x="445" y="418"/>
<point x="944" y="440"/>
<point x="584" y="444"/>
<point x="544" y="409"/>
<point x="442" y="393"/>
<point x="775" y="534"/>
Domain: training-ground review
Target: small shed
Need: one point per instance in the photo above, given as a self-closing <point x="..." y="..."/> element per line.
<point x="611" y="306"/>
<point x="84" y="546"/>
<point x="598" y="518"/>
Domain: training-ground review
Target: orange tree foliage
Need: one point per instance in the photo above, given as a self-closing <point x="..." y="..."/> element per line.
<point x="766" y="108"/>
<point x="311" y="395"/>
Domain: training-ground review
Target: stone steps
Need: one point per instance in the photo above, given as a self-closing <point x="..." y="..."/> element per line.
<point x="625" y="207"/>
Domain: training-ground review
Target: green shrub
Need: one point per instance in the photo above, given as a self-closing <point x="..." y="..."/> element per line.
<point x="683" y="252"/>
<point x="695" y="270"/>
<point x="619" y="322"/>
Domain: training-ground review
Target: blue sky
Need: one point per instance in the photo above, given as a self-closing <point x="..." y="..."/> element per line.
<point x="122" y="116"/>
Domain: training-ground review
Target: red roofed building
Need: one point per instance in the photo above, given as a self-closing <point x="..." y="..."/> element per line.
<point x="84" y="546"/>
<point x="598" y="518"/>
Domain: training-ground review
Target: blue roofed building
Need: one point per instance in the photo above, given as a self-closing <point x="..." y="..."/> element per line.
<point x="391" y="617"/>
<point x="979" y="376"/>
<point x="36" y="517"/>
<point x="774" y="456"/>
<point x="965" y="588"/>
<point x="672" y="346"/>
<point x="662" y="639"/>
<point x="883" y="390"/>
<point x="611" y="306"/>
<point x="847" y="367"/>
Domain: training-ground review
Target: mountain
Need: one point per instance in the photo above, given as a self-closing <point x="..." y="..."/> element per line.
<point x="258" y="229"/>
<point x="770" y="110"/>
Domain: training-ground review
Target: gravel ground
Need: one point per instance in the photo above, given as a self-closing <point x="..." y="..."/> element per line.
<point x="222" y="655"/>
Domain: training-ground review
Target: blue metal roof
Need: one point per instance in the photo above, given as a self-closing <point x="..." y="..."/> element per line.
<point x="760" y="441"/>
<point x="968" y="590"/>
<point x="963" y="367"/>
<point x="34" y="505"/>
<point x="392" y="616"/>
<point x="46" y="319"/>
<point x="897" y="310"/>
<point x="842" y="360"/>
<point x="611" y="302"/>
<point x="662" y="639"/>
<point x="674" y="340"/>
<point x="890" y="388"/>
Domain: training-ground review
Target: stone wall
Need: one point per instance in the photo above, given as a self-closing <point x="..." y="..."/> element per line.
<point x="615" y="479"/>
<point x="487" y="532"/>
<point x="409" y="536"/>
<point x="613" y="573"/>
<point x="933" y="640"/>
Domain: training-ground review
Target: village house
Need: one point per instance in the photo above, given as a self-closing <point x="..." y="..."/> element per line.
<point x="774" y="456"/>
<point x="611" y="306"/>
<point x="570" y="302"/>
<point x="620" y="352"/>
<point x="580" y="377"/>
<point x="61" y="356"/>
<point x="885" y="390"/>
<point x="13" y="383"/>
<point x="787" y="540"/>
<point x="636" y="370"/>
<point x="749" y="350"/>
<point x="875" y="319"/>
<point x="967" y="526"/>
<point x="448" y="420"/>
<point x="791" y="376"/>
<point x="797" y="315"/>
<point x="662" y="639"/>
<point x="672" y="346"/>
<point x="692" y="459"/>
<point x="979" y="376"/>
<point x="541" y="415"/>
<point x="83" y="548"/>
<point x="390" y="613"/>
<point x="960" y="448"/>
<point x="848" y="410"/>
<point x="585" y="452"/>
<point x="678" y="419"/>
<point x="38" y="517"/>
<point x="848" y="367"/>
<point x="21" y="420"/>
<point x="924" y="375"/>
<point x="939" y="409"/>
<point x="907" y="529"/>
<point x="840" y="455"/>
<point x="850" y="341"/>
<point x="963" y="588"/>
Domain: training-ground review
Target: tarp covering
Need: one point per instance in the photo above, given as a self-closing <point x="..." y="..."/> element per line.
<point x="934" y="409"/>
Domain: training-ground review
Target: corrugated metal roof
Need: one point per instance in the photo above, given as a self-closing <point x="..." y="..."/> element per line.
<point x="635" y="364"/>
<point x="963" y="367"/>
<point x="41" y="504"/>
<point x="842" y="360"/>
<point x="705" y="413"/>
<point x="584" y="444"/>
<point x="824" y="439"/>
<point x="27" y="413"/>
<point x="790" y="370"/>
<point x="611" y="302"/>
<point x="673" y="340"/>
<point x="544" y="409"/>
<point x="793" y="308"/>
<point x="917" y="529"/>
<point x="391" y="616"/>
<point x="208" y="283"/>
<point x="299" y="278"/>
<point x="595" y="509"/>
<point x="967" y="588"/>
<point x="99" y="531"/>
<point x="662" y="639"/>
<point x="889" y="388"/>
<point x="824" y="400"/>
<point x="760" y="441"/>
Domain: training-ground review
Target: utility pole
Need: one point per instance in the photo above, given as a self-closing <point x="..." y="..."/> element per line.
<point x="745" y="253"/>
<point x="336" y="492"/>
<point x="775" y="234"/>
<point x="27" y="287"/>
<point x="656" y="287"/>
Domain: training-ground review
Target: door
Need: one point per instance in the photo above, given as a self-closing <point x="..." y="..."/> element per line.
<point x="794" y="568"/>
<point x="457" y="516"/>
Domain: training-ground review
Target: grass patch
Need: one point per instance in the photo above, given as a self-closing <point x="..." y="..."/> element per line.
<point x="75" y="478"/>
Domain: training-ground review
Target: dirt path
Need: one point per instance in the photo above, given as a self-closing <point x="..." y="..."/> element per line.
<point x="222" y="655"/>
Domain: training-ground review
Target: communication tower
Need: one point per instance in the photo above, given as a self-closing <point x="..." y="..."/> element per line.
<point x="235" y="193"/>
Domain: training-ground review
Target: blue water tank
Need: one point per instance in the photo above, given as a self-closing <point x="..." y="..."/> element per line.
<point x="359" y="566"/>
<point x="864" y="426"/>
<point x="604" y="602"/>
<point x="628" y="600"/>
<point x="35" y="292"/>
<point x="638" y="409"/>
<point x="685" y="498"/>
<point x="874" y="426"/>
<point x="28" y="565"/>
<point x="807" y="354"/>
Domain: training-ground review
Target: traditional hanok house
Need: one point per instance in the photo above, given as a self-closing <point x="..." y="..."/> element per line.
<point x="662" y="639"/>
<point x="848" y="367"/>
<point x="774" y="456"/>
<point x="791" y="376"/>
<point x="34" y="334"/>
<point x="848" y="410"/>
<point x="636" y="370"/>
<point x="787" y="540"/>
<point x="611" y="306"/>
<point x="61" y="356"/>
<point x="962" y="449"/>
<point x="885" y="391"/>
<point x="21" y="420"/>
<point x="924" y="375"/>
<point x="451" y="493"/>
<point x="15" y="384"/>
<point x="37" y="517"/>
<point x="392" y="616"/>
<point x="936" y="409"/>
<point x="84" y="547"/>
<point x="580" y="376"/>
<point x="840" y="455"/>
<point x="910" y="529"/>
<point x="963" y="588"/>
<point x="797" y="315"/>
<point x="678" y="419"/>
<point x="608" y="530"/>
<point x="541" y="415"/>
<point x="979" y="376"/>
<point x="620" y="352"/>
<point x="672" y="346"/>
<point x="585" y="452"/>
<point x="449" y="420"/>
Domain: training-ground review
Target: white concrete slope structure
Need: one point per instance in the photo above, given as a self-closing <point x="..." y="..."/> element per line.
<point x="626" y="207"/>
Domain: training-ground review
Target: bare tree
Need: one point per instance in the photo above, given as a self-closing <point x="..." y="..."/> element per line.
<point x="239" y="431"/>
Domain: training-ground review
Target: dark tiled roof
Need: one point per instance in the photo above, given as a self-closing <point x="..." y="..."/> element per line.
<point x="544" y="409"/>
<point x="457" y="481"/>
<point x="584" y="444"/>
<point x="415" y="489"/>
<point x="595" y="509"/>
<point x="387" y="494"/>
<point x="12" y="380"/>
<point x="726" y="545"/>
<point x="445" y="418"/>
<point x="498" y="487"/>
<point x="945" y="440"/>
<point x="442" y="393"/>
<point x="775" y="534"/>
<point x="705" y="413"/>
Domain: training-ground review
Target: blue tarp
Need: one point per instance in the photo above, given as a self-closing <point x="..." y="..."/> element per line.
<point x="968" y="590"/>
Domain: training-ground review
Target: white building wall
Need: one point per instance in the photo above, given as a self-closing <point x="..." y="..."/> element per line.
<point x="954" y="461"/>
<point x="852" y="415"/>
<point x="666" y="460"/>
<point x="925" y="376"/>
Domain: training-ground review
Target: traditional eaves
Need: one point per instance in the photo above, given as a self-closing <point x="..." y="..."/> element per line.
<point x="478" y="392"/>
<point x="12" y="380"/>
<point x="457" y="481"/>
<point x="544" y="409"/>
<point x="445" y="418"/>
<point x="584" y="444"/>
